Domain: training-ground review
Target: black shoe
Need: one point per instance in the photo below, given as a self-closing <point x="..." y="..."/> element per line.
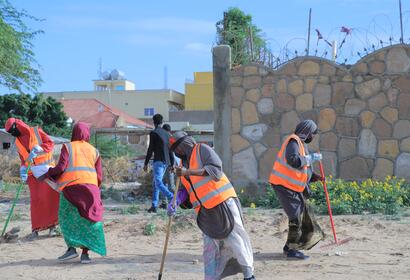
<point x="152" y="210"/>
<point x="163" y="205"/>
<point x="32" y="236"/>
<point x="251" y="278"/>
<point x="85" y="259"/>
<point x="70" y="254"/>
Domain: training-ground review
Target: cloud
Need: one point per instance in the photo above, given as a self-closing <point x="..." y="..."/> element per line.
<point x="168" y="24"/>
<point x="198" y="47"/>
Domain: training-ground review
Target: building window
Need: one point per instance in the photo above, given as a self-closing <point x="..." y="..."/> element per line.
<point x="148" y="111"/>
<point x="119" y="88"/>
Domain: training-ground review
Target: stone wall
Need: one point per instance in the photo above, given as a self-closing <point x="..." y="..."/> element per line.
<point x="363" y="113"/>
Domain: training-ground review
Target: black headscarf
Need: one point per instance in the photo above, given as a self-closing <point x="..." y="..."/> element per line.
<point x="305" y="130"/>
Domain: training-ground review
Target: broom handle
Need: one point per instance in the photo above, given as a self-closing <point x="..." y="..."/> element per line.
<point x="14" y="204"/>
<point x="164" y="252"/>
<point x="329" y="209"/>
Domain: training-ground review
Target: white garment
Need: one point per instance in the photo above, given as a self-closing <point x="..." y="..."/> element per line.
<point x="39" y="170"/>
<point x="217" y="253"/>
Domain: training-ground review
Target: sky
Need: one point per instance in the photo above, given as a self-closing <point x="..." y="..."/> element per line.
<point x="142" y="37"/>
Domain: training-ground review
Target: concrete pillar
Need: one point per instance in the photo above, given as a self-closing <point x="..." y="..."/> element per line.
<point x="221" y="57"/>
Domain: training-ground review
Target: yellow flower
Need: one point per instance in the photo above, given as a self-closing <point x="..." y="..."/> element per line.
<point x="253" y="206"/>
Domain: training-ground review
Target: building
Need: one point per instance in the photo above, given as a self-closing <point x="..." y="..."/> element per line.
<point x="199" y="103"/>
<point x="117" y="92"/>
<point x="199" y="94"/>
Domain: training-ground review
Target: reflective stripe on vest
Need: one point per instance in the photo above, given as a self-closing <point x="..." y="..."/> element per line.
<point x="287" y="176"/>
<point x="204" y="190"/>
<point x="35" y="140"/>
<point x="81" y="165"/>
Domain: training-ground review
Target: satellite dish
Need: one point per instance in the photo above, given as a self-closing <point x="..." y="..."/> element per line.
<point x="105" y="75"/>
<point x="117" y="75"/>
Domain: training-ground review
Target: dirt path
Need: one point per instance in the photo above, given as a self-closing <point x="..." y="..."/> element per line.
<point x="380" y="250"/>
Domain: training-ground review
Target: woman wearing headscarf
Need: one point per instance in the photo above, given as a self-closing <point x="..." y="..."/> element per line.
<point x="79" y="175"/>
<point x="227" y="248"/>
<point x="34" y="145"/>
<point x="291" y="174"/>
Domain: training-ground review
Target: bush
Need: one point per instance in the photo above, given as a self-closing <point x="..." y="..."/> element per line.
<point x="117" y="169"/>
<point x="346" y="197"/>
<point x="9" y="169"/>
<point x="110" y="147"/>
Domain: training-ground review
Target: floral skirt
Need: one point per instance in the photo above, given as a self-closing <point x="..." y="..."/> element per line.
<point x="78" y="231"/>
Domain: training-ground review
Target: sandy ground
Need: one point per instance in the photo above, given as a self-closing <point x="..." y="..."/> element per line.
<point x="380" y="249"/>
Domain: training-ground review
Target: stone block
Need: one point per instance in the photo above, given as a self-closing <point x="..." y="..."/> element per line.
<point x="401" y="129"/>
<point x="347" y="148"/>
<point x="310" y="85"/>
<point x="309" y="68"/>
<point x="304" y="102"/>
<point x="266" y="163"/>
<point x="403" y="84"/>
<point x="367" y="143"/>
<point x="377" y="102"/>
<point x="314" y="145"/>
<point x="284" y="102"/>
<point x="354" y="106"/>
<point x="367" y="118"/>
<point x="265" y="106"/>
<point x="388" y="148"/>
<point x="244" y="165"/>
<point x="238" y="143"/>
<point x="392" y="95"/>
<point x="383" y="168"/>
<point x="361" y="68"/>
<point x="328" y="69"/>
<point x="289" y="122"/>
<point x="382" y="128"/>
<point x="404" y="106"/>
<point x="390" y="114"/>
<point x="341" y="92"/>
<point x="253" y="94"/>
<point x="397" y="61"/>
<point x="249" y="113"/>
<point x="237" y="94"/>
<point x="268" y="90"/>
<point x="405" y="145"/>
<point x="310" y="115"/>
<point x="282" y="86"/>
<point x="369" y="88"/>
<point x="377" y="67"/>
<point x="272" y="138"/>
<point x="354" y="169"/>
<point x="322" y="95"/>
<point x="330" y="163"/>
<point x="250" y="70"/>
<point x="327" y="118"/>
<point x="403" y="166"/>
<point x="328" y="141"/>
<point x="259" y="149"/>
<point x="346" y="126"/>
<point x="347" y="78"/>
<point x="269" y="79"/>
<point x="252" y="82"/>
<point x="288" y="69"/>
<point x="324" y="79"/>
<point x="254" y="132"/>
<point x="236" y="121"/>
<point x="235" y="81"/>
<point x="296" y="87"/>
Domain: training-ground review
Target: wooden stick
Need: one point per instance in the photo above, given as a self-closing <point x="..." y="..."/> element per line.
<point x="164" y="252"/>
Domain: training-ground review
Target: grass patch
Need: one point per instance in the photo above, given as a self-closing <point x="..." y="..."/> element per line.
<point x="150" y="229"/>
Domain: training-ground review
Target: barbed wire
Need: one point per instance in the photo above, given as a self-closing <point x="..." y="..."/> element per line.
<point x="352" y="43"/>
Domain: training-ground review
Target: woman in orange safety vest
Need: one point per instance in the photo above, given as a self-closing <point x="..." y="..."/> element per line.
<point x="291" y="174"/>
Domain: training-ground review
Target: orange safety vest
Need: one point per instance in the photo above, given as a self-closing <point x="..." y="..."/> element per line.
<point x="285" y="175"/>
<point x="35" y="139"/>
<point x="203" y="190"/>
<point x="81" y="165"/>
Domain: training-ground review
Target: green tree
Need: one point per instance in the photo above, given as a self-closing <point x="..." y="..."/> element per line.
<point x="38" y="110"/>
<point x="18" y="68"/>
<point x="246" y="40"/>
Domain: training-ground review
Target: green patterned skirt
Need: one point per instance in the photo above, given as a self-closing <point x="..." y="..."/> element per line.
<point x="80" y="232"/>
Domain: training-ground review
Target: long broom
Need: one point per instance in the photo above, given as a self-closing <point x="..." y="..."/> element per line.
<point x="14" y="203"/>
<point x="164" y="252"/>
<point x="329" y="209"/>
